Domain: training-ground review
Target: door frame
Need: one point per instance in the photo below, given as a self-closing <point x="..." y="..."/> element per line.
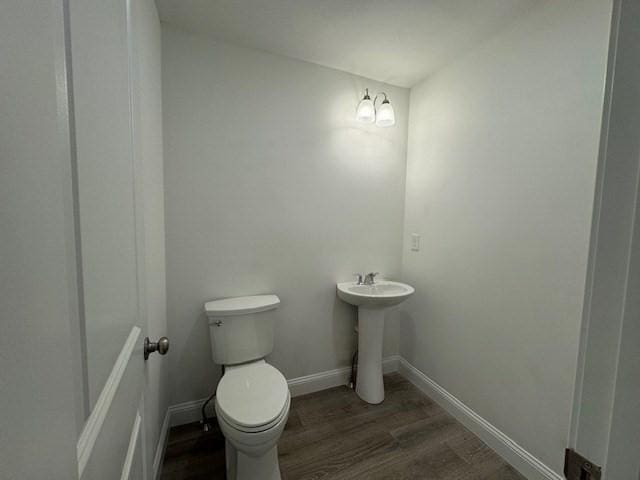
<point x="607" y="390"/>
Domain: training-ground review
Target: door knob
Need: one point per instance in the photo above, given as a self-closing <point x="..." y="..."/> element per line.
<point x="161" y="346"/>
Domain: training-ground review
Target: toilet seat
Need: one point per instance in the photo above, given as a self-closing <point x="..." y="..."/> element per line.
<point x="252" y="397"/>
<point x="258" y="428"/>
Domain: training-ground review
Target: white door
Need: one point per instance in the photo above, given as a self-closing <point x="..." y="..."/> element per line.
<point x="72" y="323"/>
<point x="38" y="315"/>
<point x="110" y="239"/>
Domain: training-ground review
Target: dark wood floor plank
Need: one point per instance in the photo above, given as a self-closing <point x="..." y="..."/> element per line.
<point x="431" y="431"/>
<point x="505" y="473"/>
<point x="475" y="452"/>
<point x="445" y="463"/>
<point x="335" y="454"/>
<point x="334" y="435"/>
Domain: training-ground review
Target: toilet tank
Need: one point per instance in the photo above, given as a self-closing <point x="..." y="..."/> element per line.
<point x="241" y="328"/>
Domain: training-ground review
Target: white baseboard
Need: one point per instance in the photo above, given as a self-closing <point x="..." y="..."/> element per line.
<point x="531" y="467"/>
<point x="158" y="458"/>
<point x="333" y="378"/>
<point x="187" y="412"/>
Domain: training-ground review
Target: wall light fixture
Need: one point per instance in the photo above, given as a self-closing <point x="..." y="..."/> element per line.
<point x="366" y="112"/>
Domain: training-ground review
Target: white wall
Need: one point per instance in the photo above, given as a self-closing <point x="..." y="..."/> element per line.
<point x="501" y="166"/>
<point x="147" y="103"/>
<point x="272" y="186"/>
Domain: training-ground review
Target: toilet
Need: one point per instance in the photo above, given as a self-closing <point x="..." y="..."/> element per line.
<point x="252" y="398"/>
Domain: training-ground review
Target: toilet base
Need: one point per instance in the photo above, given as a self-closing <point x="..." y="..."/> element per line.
<point x="244" y="467"/>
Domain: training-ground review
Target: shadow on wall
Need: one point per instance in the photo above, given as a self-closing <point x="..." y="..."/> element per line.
<point x="199" y="341"/>
<point x="408" y="332"/>
<point x="344" y="319"/>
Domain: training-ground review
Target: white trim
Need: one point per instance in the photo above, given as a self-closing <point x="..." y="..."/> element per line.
<point x="131" y="450"/>
<point x="333" y="378"/>
<point x="92" y="428"/>
<point x="391" y="364"/>
<point x="158" y="458"/>
<point x="530" y="466"/>
<point x="187" y="412"/>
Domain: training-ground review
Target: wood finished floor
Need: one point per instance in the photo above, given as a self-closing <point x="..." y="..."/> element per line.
<point x="333" y="435"/>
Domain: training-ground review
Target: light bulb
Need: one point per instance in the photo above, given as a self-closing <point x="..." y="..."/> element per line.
<point x="385" y="116"/>
<point x="366" y="112"/>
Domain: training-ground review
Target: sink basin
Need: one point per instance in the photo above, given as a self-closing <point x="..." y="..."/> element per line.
<point x="372" y="302"/>
<point x="381" y="294"/>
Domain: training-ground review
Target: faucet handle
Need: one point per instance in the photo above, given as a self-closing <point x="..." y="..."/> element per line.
<point x="368" y="279"/>
<point x="359" y="275"/>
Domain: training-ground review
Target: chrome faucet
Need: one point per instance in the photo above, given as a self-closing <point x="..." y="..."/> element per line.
<point x="359" y="276"/>
<point x="369" y="278"/>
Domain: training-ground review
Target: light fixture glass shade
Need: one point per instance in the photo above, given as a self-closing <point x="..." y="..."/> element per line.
<point x="366" y="112"/>
<point x="385" y="116"/>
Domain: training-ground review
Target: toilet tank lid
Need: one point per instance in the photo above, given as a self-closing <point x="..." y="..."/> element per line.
<point x="241" y="305"/>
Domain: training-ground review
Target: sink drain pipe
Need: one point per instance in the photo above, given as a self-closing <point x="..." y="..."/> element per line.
<point x="354" y="370"/>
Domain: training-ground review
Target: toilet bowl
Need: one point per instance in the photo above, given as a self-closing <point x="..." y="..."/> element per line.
<point x="252" y="398"/>
<point x="252" y="407"/>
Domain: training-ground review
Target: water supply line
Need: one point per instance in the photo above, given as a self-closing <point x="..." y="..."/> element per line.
<point x="205" y="420"/>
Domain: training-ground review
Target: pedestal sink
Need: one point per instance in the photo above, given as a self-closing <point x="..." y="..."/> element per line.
<point x="372" y="301"/>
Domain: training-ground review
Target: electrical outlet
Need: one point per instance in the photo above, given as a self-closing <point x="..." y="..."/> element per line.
<point x="415" y="242"/>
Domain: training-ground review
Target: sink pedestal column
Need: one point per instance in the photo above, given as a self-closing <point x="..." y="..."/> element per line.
<point x="369" y="384"/>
